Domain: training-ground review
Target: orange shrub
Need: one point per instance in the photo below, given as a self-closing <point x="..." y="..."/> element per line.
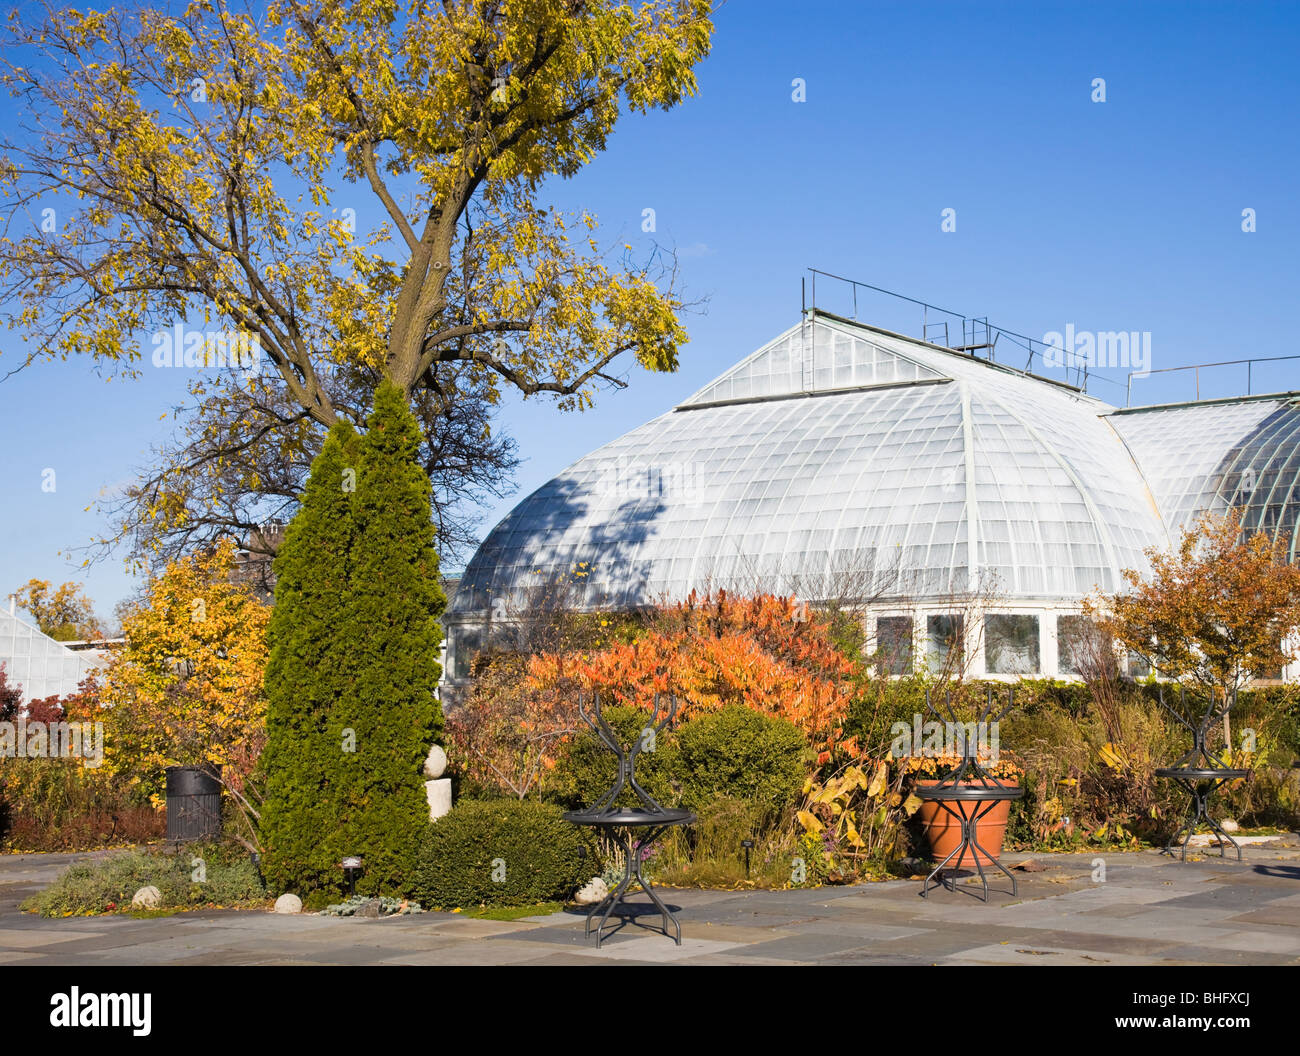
<point x="771" y="654"/>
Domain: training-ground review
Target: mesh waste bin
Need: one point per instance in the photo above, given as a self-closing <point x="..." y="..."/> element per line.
<point x="193" y="803"/>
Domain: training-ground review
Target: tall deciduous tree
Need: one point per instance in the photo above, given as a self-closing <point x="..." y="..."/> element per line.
<point x="240" y="459"/>
<point x="341" y="187"/>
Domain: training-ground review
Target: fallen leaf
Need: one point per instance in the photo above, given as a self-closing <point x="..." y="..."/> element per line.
<point x="1030" y="866"/>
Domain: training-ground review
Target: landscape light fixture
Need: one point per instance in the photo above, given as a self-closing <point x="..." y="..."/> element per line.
<point x="351" y="866"/>
<point x="747" y="844"/>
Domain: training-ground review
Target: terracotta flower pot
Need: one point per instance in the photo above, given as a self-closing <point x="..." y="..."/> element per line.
<point x="944" y="831"/>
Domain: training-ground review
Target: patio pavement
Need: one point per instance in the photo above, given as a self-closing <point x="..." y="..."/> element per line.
<point x="1148" y="910"/>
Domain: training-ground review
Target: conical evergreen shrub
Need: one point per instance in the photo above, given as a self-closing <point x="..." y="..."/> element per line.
<point x="354" y="664"/>
<point x="307" y="675"/>
<point x="392" y="628"/>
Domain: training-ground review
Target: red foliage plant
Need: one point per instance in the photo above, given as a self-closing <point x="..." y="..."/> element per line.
<point x="11" y="697"/>
<point x="771" y="654"/>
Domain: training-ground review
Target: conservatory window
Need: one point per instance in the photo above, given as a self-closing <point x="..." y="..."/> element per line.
<point x="894" y="645"/>
<point x="943" y="645"/>
<point x="1011" y="644"/>
<point x="1072" y="643"/>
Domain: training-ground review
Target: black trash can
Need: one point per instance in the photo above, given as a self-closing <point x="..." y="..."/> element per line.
<point x="193" y="803"/>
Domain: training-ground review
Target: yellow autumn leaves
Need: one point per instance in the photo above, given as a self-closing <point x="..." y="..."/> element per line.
<point x="854" y="805"/>
<point x="186" y="689"/>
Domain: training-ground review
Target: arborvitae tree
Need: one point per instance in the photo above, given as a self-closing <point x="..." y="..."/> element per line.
<point x="353" y="668"/>
<point x="307" y="675"/>
<point x="391" y="632"/>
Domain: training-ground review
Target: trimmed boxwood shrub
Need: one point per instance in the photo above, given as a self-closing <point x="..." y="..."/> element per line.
<point x="735" y="752"/>
<point x="501" y="852"/>
<point x="742" y="754"/>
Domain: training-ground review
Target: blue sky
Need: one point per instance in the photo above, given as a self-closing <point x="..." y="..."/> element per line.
<point x="1116" y="215"/>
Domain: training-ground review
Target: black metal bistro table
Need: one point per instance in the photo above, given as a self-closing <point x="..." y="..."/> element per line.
<point x="1200" y="784"/>
<point x="1200" y="775"/>
<point x="968" y="795"/>
<point x="982" y="798"/>
<point x="634" y="829"/>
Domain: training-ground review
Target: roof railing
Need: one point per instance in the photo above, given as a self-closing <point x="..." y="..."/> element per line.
<point x="1196" y="369"/>
<point x="980" y="339"/>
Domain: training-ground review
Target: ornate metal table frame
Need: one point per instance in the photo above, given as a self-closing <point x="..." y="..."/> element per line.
<point x="1200" y="782"/>
<point x="984" y="795"/>
<point x="621" y="823"/>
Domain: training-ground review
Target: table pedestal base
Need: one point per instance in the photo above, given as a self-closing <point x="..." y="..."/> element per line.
<point x="632" y="873"/>
<point x="980" y="807"/>
<point x="1200" y="785"/>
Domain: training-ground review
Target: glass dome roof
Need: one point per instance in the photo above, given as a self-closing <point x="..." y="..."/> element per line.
<point x="842" y="449"/>
<point x="1220" y="455"/>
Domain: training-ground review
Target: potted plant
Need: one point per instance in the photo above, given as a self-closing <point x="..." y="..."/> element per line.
<point x="943" y="828"/>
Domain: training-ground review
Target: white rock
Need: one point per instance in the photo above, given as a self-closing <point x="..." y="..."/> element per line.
<point x="147" y="898"/>
<point x="435" y="763"/>
<point x="594" y="892"/>
<point x="438" y="793"/>
<point x="1228" y="825"/>
<point x="1209" y="839"/>
<point x="288" y="903"/>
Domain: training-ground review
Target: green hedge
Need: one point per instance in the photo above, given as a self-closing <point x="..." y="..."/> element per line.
<point x="742" y="754"/>
<point x="501" y="852"/>
<point x="735" y="752"/>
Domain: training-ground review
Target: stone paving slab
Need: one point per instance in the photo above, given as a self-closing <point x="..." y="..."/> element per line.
<point x="466" y="954"/>
<point x="37" y="938"/>
<point x="1151" y="909"/>
<point x="808" y="946"/>
<point x="579" y="961"/>
<point x="1041" y="954"/>
<point x="1192" y="954"/>
<point x="657" y="950"/>
<point x="732" y="960"/>
<point x="737" y="933"/>
<point x="1284" y="916"/>
<point x="867" y="957"/>
<point x="1147" y="950"/>
<point x="861" y="930"/>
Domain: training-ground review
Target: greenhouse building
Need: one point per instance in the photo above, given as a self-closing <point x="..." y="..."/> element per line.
<point x="965" y="507"/>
